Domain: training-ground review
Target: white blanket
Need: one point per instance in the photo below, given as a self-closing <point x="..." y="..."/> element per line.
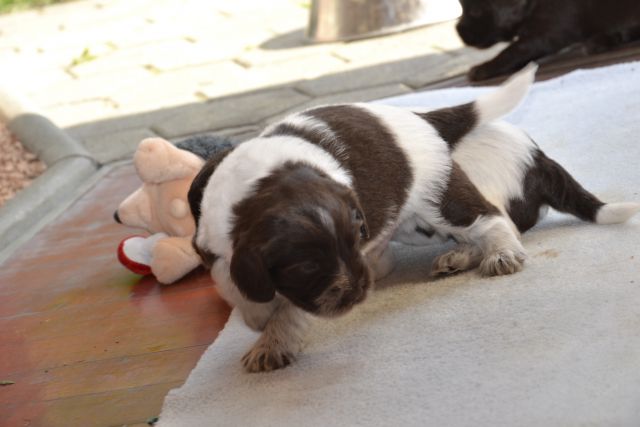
<point x="557" y="344"/>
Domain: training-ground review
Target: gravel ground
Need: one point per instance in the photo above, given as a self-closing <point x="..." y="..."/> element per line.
<point x="18" y="167"/>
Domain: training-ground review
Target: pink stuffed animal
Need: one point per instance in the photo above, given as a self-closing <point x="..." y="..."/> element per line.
<point x="160" y="206"/>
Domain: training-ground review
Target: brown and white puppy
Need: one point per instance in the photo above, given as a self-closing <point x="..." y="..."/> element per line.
<point x="537" y="28"/>
<point x="293" y="222"/>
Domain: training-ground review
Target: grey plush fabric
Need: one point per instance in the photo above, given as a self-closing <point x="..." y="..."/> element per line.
<point x="205" y="146"/>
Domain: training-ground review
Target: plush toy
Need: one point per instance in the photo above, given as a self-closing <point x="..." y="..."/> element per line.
<point x="160" y="207"/>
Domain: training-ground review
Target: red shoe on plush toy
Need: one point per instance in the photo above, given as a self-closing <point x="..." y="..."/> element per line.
<point x="136" y="252"/>
<point x="160" y="206"/>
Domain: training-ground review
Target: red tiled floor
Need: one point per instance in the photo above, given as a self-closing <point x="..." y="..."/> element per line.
<point x="85" y="341"/>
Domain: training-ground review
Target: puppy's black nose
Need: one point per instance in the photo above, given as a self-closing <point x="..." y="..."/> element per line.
<point x="116" y="217"/>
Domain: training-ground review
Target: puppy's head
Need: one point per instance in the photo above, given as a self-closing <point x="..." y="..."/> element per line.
<point x="300" y="235"/>
<point x="487" y="22"/>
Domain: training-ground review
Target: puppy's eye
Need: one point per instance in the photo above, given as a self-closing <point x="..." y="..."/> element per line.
<point x="307" y="267"/>
<point x="359" y="219"/>
<point x="363" y="232"/>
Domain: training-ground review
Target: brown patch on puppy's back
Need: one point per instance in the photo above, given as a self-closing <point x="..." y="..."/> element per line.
<point x="452" y="123"/>
<point x="367" y="149"/>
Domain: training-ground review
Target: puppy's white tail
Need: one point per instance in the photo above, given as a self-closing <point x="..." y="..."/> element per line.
<point x="453" y="123"/>
<point x="507" y="97"/>
<point x="616" y="213"/>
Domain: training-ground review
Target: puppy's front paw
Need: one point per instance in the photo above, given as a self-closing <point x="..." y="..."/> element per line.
<point x="263" y="358"/>
<point x="502" y="263"/>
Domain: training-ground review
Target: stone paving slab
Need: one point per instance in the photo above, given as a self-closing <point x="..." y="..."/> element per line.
<point x="456" y="65"/>
<point x="430" y="66"/>
<point x="118" y="145"/>
<point x="298" y="48"/>
<point x="362" y="95"/>
<point x="230" y="112"/>
<point x="282" y="73"/>
<point x="85" y="131"/>
<point x="403" y="45"/>
<point x="91" y="87"/>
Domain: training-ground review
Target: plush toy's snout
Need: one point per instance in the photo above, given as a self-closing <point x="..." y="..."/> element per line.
<point x="137" y="209"/>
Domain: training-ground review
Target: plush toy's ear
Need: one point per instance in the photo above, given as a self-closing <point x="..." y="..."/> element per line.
<point x="250" y="274"/>
<point x="158" y="161"/>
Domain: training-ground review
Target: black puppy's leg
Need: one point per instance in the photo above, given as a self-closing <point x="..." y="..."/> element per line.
<point x="516" y="56"/>
<point x="602" y="43"/>
<point x="605" y="41"/>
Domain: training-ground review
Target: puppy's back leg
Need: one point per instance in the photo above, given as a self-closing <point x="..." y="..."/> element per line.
<point x="549" y="183"/>
<point x="472" y="219"/>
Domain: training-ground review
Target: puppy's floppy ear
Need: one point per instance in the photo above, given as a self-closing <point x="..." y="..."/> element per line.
<point x="250" y="274"/>
<point x="201" y="180"/>
<point x="196" y="190"/>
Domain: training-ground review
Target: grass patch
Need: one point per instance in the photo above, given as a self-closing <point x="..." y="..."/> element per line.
<point x="85" y="56"/>
<point x="8" y="6"/>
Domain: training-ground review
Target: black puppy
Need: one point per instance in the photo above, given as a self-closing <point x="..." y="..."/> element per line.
<point x="538" y="28"/>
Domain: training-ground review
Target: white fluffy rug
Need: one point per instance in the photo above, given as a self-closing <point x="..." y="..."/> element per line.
<point x="555" y="345"/>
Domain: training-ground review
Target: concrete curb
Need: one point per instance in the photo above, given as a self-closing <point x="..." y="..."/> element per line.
<point x="69" y="169"/>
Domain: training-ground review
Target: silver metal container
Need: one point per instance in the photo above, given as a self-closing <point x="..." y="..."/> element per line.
<point x="333" y="20"/>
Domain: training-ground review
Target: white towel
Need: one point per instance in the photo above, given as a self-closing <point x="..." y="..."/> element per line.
<point x="557" y="344"/>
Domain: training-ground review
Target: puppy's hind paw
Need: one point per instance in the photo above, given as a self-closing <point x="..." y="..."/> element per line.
<point x="502" y="263"/>
<point x="461" y="258"/>
<point x="263" y="358"/>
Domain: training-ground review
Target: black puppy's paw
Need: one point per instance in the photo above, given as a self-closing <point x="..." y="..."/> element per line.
<point x="482" y="72"/>
<point x="601" y="43"/>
